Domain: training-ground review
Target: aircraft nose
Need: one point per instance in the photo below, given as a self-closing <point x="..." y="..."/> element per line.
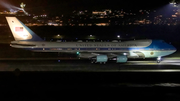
<point x="173" y="49"/>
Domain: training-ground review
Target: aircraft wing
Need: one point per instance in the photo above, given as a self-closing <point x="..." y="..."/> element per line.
<point x="94" y="54"/>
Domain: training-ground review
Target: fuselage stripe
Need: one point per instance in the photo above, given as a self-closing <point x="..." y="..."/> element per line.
<point x="90" y="49"/>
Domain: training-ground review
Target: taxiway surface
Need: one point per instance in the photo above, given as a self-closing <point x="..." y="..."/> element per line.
<point x="54" y="64"/>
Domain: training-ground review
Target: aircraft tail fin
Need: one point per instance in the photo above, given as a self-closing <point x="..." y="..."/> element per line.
<point x="20" y="31"/>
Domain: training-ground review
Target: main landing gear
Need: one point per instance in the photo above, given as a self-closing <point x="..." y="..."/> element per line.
<point x="94" y="61"/>
<point x="158" y="59"/>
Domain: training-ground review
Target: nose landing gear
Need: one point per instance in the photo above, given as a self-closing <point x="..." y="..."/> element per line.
<point x="158" y="59"/>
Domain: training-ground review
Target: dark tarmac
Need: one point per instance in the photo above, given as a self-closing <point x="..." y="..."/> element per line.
<point x="80" y="65"/>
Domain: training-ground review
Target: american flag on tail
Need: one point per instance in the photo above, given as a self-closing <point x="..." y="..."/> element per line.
<point x="18" y="29"/>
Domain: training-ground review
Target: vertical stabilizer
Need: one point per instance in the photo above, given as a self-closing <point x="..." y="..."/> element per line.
<point x="21" y="31"/>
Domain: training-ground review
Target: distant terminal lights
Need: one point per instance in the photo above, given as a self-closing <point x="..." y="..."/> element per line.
<point x="105" y="17"/>
<point x="105" y="12"/>
<point x="6" y="12"/>
<point x="18" y="13"/>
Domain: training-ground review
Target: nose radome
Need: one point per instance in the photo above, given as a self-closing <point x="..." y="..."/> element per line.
<point x="173" y="49"/>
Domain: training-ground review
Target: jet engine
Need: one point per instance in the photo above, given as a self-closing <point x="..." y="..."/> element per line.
<point x="100" y="59"/>
<point x="121" y="59"/>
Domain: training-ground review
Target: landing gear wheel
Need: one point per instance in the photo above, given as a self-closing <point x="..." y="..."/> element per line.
<point x="158" y="61"/>
<point x="92" y="61"/>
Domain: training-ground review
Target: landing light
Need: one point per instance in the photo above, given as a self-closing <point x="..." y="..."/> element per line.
<point x="159" y="58"/>
<point x="124" y="53"/>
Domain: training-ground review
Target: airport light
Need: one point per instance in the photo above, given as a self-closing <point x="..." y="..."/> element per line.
<point x="22" y="5"/>
<point x="58" y="36"/>
<point x="77" y="53"/>
<point x="172" y="2"/>
<point x="91" y="36"/>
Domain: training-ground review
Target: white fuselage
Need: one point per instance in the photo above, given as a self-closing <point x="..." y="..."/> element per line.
<point x="136" y="48"/>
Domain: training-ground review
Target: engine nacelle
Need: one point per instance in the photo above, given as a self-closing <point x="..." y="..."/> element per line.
<point x="121" y="59"/>
<point x="101" y="58"/>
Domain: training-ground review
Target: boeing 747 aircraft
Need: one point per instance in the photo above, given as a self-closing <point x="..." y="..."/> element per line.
<point x="98" y="52"/>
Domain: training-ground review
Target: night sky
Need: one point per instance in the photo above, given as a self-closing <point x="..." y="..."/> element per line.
<point x="67" y="6"/>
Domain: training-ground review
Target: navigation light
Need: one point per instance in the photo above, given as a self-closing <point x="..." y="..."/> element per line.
<point x="77" y="53"/>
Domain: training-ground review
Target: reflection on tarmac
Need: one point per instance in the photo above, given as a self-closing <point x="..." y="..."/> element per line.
<point x="54" y="64"/>
<point x="166" y="61"/>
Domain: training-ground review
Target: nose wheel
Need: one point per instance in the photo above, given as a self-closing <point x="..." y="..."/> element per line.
<point x="158" y="59"/>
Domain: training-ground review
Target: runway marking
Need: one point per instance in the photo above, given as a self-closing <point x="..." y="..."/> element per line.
<point x="152" y="70"/>
<point x="172" y="58"/>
